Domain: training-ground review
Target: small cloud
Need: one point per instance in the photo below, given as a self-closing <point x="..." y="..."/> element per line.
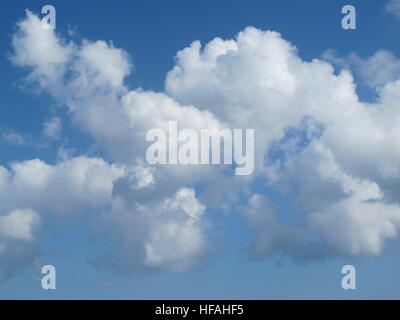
<point x="13" y="138"/>
<point x="375" y="71"/>
<point x="52" y="128"/>
<point x="72" y="30"/>
<point x="393" y="7"/>
<point x="65" y="154"/>
<point x="20" y="140"/>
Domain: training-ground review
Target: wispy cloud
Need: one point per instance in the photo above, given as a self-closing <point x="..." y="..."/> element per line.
<point x="393" y="7"/>
<point x="13" y="138"/>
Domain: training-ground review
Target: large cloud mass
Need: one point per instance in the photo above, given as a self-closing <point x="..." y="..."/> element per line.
<point x="332" y="156"/>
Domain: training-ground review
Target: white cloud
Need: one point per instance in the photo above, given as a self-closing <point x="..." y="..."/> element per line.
<point x="375" y="71"/>
<point x="19" y="225"/>
<point x="19" y="139"/>
<point x="13" y="138"/>
<point x="339" y="155"/>
<point x="65" y="188"/>
<point x="258" y="80"/>
<point x="41" y="49"/>
<point x="166" y="234"/>
<point x="101" y="64"/>
<point x="152" y="220"/>
<point x="52" y="128"/>
<point x="68" y="189"/>
<point x="364" y="227"/>
<point x="18" y="239"/>
<point x="177" y="244"/>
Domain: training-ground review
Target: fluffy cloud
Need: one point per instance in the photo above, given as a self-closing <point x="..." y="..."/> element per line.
<point x="316" y="141"/>
<point x="42" y="49"/>
<point x="18" y="242"/>
<point x="257" y="81"/>
<point x="73" y="186"/>
<point x="166" y="234"/>
<point x="76" y="186"/>
<point x="18" y="225"/>
<point x="349" y="204"/>
<point x="375" y="71"/>
<point x="90" y="84"/>
<point x="88" y="80"/>
<point x="333" y="156"/>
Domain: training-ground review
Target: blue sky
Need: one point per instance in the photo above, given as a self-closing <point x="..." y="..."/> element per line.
<point x="95" y="245"/>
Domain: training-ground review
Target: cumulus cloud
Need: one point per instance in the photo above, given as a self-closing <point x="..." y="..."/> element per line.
<point x="316" y="140"/>
<point x="166" y="234"/>
<point x="60" y="192"/>
<point x="90" y="84"/>
<point x="18" y="230"/>
<point x="332" y="155"/>
<point x="375" y="71"/>
<point x="73" y="185"/>
<point x="42" y="49"/>
<point x="18" y="225"/>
